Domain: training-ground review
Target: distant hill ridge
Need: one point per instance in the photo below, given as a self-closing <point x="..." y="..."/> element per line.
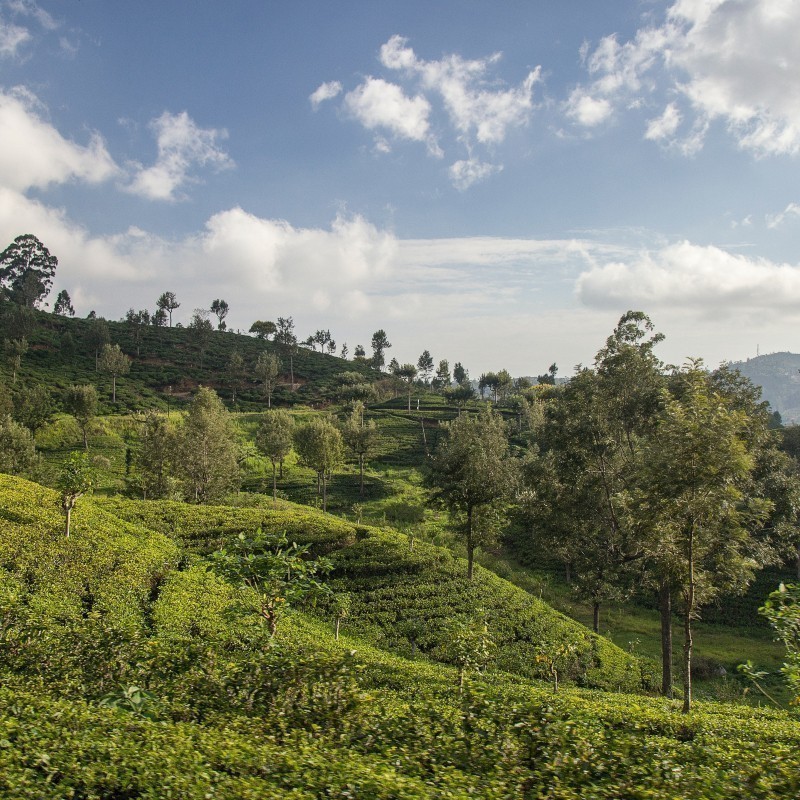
<point x="778" y="375"/>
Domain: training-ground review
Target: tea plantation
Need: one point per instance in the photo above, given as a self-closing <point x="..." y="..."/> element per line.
<point x="132" y="668"/>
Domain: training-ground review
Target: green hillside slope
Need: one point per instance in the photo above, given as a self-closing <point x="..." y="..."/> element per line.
<point x="129" y="671"/>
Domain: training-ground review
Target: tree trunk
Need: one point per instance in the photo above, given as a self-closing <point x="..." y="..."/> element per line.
<point x="687" y="632"/>
<point x="291" y="370"/>
<point x="68" y="511"/>
<point x="324" y="493"/>
<point x="798" y="561"/>
<point x="113" y="388"/>
<point x="596" y="617"/>
<point x="336" y="631"/>
<point x="85" y="438"/>
<point x="665" y="608"/>
<point x="274" y="485"/>
<point x="470" y="546"/>
<point x="361" y="469"/>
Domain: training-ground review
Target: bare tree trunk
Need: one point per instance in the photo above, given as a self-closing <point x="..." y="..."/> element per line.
<point x="68" y="511"/>
<point x="324" y="493"/>
<point x="665" y="608"/>
<point x="274" y="485"/>
<point x="687" y="632"/>
<point x="596" y="617"/>
<point x="361" y="468"/>
<point x="470" y="546"/>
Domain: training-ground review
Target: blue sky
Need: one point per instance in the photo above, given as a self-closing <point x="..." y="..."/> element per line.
<point x="495" y="182"/>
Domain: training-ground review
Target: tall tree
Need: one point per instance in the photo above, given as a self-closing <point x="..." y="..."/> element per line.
<point x="63" y="305"/>
<point x="473" y="474"/>
<point x="207" y="449"/>
<point x="98" y="336"/>
<point x="33" y="407"/>
<point x="380" y="343"/>
<point x="267" y="369"/>
<point x="425" y="366"/>
<point x="319" y="446"/>
<point x="26" y="270"/>
<point x="17" y="448"/>
<point x="442" y="379"/>
<point x="287" y="341"/>
<point x="137" y="322"/>
<point x="460" y="374"/>
<point x="81" y="402"/>
<point x="114" y="362"/>
<point x="200" y="329"/>
<point x="407" y="373"/>
<point x="580" y="482"/>
<point x="263" y="329"/>
<point x="274" y="440"/>
<point x="697" y="470"/>
<point x="14" y="350"/>
<point x="167" y="302"/>
<point x="361" y="437"/>
<point x="219" y="308"/>
<point x="235" y="372"/>
<point x="154" y="457"/>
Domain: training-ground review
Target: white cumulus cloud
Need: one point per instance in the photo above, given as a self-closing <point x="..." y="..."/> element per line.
<point x="732" y="62"/>
<point x="182" y="147"/>
<point x="705" y="278"/>
<point x="325" y="91"/>
<point x="465" y="173"/>
<point x="378" y="104"/>
<point x="35" y="154"/>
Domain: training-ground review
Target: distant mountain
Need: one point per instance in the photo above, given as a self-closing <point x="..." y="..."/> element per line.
<point x="778" y="374"/>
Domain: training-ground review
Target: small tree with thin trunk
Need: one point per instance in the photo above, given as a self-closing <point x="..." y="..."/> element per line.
<point x="81" y="402"/>
<point x="267" y="369"/>
<point x="274" y="574"/>
<point x="319" y="446"/>
<point x="274" y="440"/>
<point x="168" y="303"/>
<point x="472" y="475"/>
<point x="14" y="350"/>
<point x="361" y="437"/>
<point x="75" y="480"/>
<point x="698" y="469"/>
<point x="114" y="362"/>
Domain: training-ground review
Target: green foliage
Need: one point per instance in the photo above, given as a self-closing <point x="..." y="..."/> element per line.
<point x="276" y="574"/>
<point x="207" y="449"/>
<point x="17" y="448"/>
<point x="26" y="271"/>
<point x="782" y="609"/>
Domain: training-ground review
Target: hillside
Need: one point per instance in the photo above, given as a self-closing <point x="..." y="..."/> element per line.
<point x="130" y="670"/>
<point x="778" y="375"/>
<point x="167" y="364"/>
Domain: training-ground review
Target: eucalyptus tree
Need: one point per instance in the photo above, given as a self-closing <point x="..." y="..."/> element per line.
<point x="698" y="469"/>
<point x="274" y="440"/>
<point x="408" y="374"/>
<point x="219" y="308"/>
<point x="115" y="363"/>
<point x="473" y="474"/>
<point x="63" y="305"/>
<point x="579" y="482"/>
<point x="267" y="369"/>
<point x="380" y="343"/>
<point x="26" y="271"/>
<point x="168" y="303"/>
<point x="206" y="449"/>
<point x="320" y="447"/>
<point x="361" y="437"/>
<point x="425" y="366"/>
<point x="81" y="402"/>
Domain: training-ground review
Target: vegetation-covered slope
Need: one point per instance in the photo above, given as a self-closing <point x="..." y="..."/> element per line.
<point x="220" y="712"/>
